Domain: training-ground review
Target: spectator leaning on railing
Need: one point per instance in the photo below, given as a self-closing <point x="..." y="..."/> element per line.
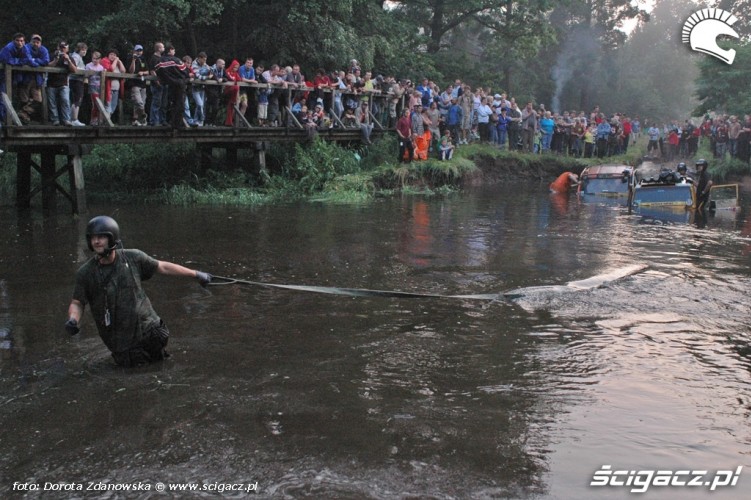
<point x="58" y="91"/>
<point x="274" y="89"/>
<point x="137" y="65"/>
<point x="76" y="83"/>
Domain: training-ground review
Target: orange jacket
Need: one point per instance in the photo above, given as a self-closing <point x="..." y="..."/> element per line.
<point x="562" y="183"/>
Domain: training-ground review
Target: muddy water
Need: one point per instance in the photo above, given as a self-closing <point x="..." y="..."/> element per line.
<point x="319" y="396"/>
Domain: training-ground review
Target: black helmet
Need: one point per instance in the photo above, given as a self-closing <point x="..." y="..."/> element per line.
<point x="702" y="163"/>
<point x="682" y="167"/>
<point x="103" y="225"/>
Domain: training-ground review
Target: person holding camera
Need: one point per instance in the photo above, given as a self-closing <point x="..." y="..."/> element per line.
<point x="58" y="90"/>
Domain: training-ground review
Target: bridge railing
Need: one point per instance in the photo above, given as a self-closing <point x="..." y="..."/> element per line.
<point x="287" y="95"/>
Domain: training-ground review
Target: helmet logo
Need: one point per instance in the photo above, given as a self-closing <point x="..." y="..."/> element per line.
<point x="702" y="29"/>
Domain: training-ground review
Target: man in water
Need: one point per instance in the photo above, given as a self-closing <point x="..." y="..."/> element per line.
<point x="111" y="283"/>
<point x="564" y="182"/>
<point x="704" y="184"/>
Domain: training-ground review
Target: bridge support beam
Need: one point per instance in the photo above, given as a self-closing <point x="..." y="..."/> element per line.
<point x="231" y="156"/>
<point x="261" y="153"/>
<point x="205" y="153"/>
<point x="49" y="174"/>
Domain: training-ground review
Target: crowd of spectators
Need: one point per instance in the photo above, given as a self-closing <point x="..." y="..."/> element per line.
<point x="162" y="89"/>
<point x="726" y="136"/>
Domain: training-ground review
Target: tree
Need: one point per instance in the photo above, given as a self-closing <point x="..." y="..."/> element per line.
<point x="740" y="9"/>
<point x="143" y="21"/>
<point x="589" y="31"/>
<point x="724" y="87"/>
<point x="658" y="68"/>
<point x="437" y="18"/>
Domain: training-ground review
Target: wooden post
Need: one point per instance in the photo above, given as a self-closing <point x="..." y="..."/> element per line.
<point x="48" y="180"/>
<point x="121" y="104"/>
<point x="289" y="108"/>
<point x="261" y="148"/>
<point x="45" y="108"/>
<point x="205" y="154"/>
<point x="23" y="179"/>
<point x="240" y="118"/>
<point x="8" y="92"/>
<point x="104" y="114"/>
<point x="232" y="156"/>
<point x="77" y="188"/>
<point x="11" y="117"/>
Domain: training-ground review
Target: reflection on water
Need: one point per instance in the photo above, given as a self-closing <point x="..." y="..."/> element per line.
<point x="339" y="397"/>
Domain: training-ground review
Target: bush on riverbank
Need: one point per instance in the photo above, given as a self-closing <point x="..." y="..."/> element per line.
<point x="319" y="171"/>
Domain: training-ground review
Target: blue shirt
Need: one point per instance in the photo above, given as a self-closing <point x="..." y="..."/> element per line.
<point x="603" y="130"/>
<point x="455" y="115"/>
<point x="427" y="95"/>
<point x="248" y="74"/>
<point x="547" y="125"/>
<point x="503" y="122"/>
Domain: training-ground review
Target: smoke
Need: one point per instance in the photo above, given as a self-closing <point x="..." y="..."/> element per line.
<point x="578" y="55"/>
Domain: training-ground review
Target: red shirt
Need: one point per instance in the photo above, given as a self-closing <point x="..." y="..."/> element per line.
<point x="232" y="72"/>
<point x="322" y="81"/>
<point x="404" y="127"/>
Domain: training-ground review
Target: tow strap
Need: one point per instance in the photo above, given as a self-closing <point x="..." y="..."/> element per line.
<point x="572" y="286"/>
<point x="350" y="292"/>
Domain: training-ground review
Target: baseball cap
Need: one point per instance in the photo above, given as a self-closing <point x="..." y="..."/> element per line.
<point x="138" y="47"/>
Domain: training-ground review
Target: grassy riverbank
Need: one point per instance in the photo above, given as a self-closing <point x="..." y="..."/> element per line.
<point x="319" y="171"/>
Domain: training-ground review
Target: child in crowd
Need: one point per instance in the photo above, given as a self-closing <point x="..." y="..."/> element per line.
<point x="349" y="120"/>
<point x="309" y="120"/>
<point x="446" y="148"/>
<point x="589" y="141"/>
<point x="95" y="85"/>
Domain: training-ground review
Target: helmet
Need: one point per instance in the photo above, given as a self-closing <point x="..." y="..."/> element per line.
<point x="702" y="163"/>
<point x="103" y="225"/>
<point x="682" y="167"/>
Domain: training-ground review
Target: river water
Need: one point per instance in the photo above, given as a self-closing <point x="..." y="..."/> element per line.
<point x="320" y="396"/>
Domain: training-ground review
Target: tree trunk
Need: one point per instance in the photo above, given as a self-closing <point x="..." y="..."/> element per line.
<point x="436" y="28"/>
<point x="192" y="40"/>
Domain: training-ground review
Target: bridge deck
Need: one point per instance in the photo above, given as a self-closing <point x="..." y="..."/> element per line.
<point x="17" y="138"/>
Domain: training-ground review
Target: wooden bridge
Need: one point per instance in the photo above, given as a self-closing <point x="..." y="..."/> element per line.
<point x="49" y="142"/>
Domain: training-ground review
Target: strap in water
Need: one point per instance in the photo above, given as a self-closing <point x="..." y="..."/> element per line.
<point x="350" y="292"/>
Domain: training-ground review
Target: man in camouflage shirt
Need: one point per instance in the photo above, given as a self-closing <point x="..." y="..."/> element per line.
<point x="110" y="283"/>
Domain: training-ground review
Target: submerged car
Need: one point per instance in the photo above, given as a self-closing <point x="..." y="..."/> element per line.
<point x="676" y="190"/>
<point x="607" y="181"/>
<point x="668" y="189"/>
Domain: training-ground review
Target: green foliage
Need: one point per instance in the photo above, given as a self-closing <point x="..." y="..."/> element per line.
<point x="431" y="172"/>
<point x="185" y="194"/>
<point x="7" y="176"/>
<point x="350" y="188"/>
<point x="724" y="87"/>
<point x="723" y="170"/>
<point x="313" y="165"/>
<point x="118" y="167"/>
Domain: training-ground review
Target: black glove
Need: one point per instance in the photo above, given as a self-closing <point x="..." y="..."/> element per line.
<point x="203" y="278"/>
<point x="71" y="326"/>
